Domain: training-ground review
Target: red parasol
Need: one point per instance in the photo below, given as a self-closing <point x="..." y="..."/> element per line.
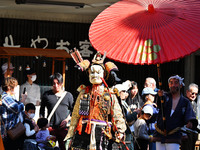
<point x="147" y="31"/>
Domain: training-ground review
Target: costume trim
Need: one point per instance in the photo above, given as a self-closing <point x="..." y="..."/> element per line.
<point x="166" y="133"/>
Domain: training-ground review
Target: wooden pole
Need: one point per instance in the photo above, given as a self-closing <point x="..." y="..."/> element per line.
<point x="8" y="69"/>
<point x="53" y="66"/>
<point x="161" y="98"/>
<point x="63" y="73"/>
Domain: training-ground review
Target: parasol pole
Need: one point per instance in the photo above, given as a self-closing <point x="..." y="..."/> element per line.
<point x="161" y="98"/>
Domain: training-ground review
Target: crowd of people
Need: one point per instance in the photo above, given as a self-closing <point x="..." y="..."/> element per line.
<point x="103" y="117"/>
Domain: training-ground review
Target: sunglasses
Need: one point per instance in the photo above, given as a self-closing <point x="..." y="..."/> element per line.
<point x="194" y="93"/>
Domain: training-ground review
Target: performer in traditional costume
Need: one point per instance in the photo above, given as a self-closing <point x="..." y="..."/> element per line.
<point x="96" y="110"/>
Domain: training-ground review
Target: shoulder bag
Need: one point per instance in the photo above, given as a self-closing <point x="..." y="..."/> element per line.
<point x="16" y="131"/>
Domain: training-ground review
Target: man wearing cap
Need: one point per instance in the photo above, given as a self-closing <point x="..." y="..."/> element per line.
<point x="176" y="111"/>
<point x="7" y="72"/>
<point x="30" y="92"/>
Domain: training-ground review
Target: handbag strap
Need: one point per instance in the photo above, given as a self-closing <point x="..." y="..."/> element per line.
<point x="5" y="130"/>
<point x="55" y="107"/>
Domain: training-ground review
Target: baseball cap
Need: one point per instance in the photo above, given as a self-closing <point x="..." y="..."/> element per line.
<point x="148" y="110"/>
<point x="4" y="67"/>
<point x="29" y="71"/>
<point x="148" y="90"/>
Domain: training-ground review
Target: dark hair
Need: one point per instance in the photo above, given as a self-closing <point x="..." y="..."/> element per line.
<point x="42" y="122"/>
<point x="9" y="82"/>
<point x="29" y="106"/>
<point x="57" y="76"/>
<point x="29" y="72"/>
<point x="133" y="84"/>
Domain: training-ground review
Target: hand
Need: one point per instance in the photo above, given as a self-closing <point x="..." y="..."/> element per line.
<point x="160" y="93"/>
<point x="68" y="143"/>
<point x="120" y="136"/>
<point x="151" y="139"/>
<point x="34" y="123"/>
<point x="63" y="123"/>
<point x="189" y="125"/>
<point x="137" y="110"/>
<point x="24" y="96"/>
<point x="37" y="103"/>
<point x="53" y="138"/>
<point x="123" y="95"/>
<point x="48" y="138"/>
<point x="184" y="138"/>
<point x="36" y="128"/>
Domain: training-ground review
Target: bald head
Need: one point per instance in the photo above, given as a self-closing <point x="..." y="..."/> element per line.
<point x="150" y="82"/>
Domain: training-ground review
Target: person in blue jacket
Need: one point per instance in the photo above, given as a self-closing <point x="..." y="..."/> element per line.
<point x="176" y="111"/>
<point x="11" y="112"/>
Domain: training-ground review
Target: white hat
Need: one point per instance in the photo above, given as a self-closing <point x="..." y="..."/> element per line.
<point x="148" y="90"/>
<point x="148" y="110"/>
<point x="119" y="87"/>
<point x="4" y="67"/>
<point x="124" y="86"/>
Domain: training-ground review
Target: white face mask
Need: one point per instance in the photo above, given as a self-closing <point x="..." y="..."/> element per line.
<point x="96" y="73"/>
<point x="32" y="115"/>
<point x="33" y="78"/>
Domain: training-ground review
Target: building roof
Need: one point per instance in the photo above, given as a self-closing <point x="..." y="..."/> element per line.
<point x="19" y="51"/>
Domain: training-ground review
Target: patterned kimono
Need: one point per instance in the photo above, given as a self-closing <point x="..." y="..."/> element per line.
<point x="95" y="111"/>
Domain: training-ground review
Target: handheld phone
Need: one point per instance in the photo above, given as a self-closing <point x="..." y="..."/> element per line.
<point x="24" y="90"/>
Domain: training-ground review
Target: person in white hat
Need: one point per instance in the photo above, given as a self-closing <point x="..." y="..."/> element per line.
<point x="149" y="95"/>
<point x="141" y="129"/>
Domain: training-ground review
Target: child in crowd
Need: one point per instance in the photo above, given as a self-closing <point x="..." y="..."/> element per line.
<point x="141" y="129"/>
<point x="149" y="95"/>
<point x="43" y="137"/>
<point x="31" y="128"/>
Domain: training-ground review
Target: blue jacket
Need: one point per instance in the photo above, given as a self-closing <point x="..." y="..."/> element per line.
<point x="9" y="112"/>
<point x="182" y="114"/>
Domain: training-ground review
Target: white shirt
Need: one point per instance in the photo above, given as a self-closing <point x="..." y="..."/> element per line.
<point x="33" y="92"/>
